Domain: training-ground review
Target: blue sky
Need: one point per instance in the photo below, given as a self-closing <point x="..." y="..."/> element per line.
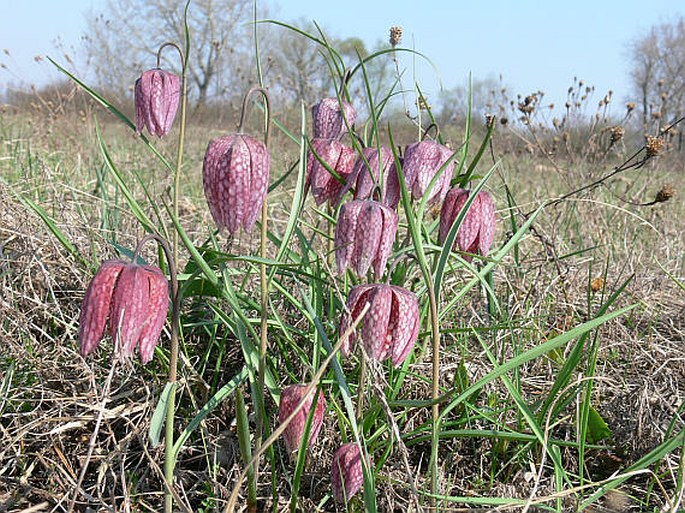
<point x="532" y="44"/>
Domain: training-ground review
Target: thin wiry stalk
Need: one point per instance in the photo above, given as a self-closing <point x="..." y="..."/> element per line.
<point x="172" y="257"/>
<point x="169" y="460"/>
<point x="93" y="437"/>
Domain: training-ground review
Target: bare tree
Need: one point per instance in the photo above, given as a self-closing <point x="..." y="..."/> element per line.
<point x="122" y="40"/>
<point x="658" y="73"/>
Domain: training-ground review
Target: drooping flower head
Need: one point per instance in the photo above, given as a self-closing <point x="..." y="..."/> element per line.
<point x="390" y="327"/>
<point x="133" y="299"/>
<point x="347" y="474"/>
<point x="235" y="176"/>
<point x="290" y="398"/>
<point x="329" y="118"/>
<point x="157" y="93"/>
<point x="364" y="236"/>
<point x="339" y="157"/>
<point x="477" y="230"/>
<point x="375" y="177"/>
<point x="422" y="161"/>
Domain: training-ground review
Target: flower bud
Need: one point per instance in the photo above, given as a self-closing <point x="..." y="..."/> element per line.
<point x="477" y="230"/>
<point x="235" y="175"/>
<point x="329" y="118"/>
<point x="291" y="396"/>
<point x="390" y="327"/>
<point x="339" y="157"/>
<point x="364" y="236"/>
<point x="157" y="93"/>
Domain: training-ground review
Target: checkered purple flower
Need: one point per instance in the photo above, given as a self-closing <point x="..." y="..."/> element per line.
<point x="235" y="175"/>
<point x="133" y="299"/>
<point x="157" y="93"/>
<point x="477" y="230"/>
<point x="364" y="236"/>
<point x="329" y="118"/>
<point x="390" y="327"/>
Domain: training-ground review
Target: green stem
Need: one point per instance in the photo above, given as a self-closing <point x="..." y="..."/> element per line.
<point x="264" y="286"/>
<point x="169" y="462"/>
<point x="435" y="334"/>
<point x="362" y="386"/>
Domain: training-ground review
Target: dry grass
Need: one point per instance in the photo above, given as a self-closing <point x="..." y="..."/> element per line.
<point x="50" y="398"/>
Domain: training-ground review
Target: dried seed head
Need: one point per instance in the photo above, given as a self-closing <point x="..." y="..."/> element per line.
<point x="395" y="36"/>
<point x="477" y="231"/>
<point x="364" y="235"/>
<point x="347" y="475"/>
<point x="630" y="106"/>
<point x="617" y="132"/>
<point x="329" y="118"/>
<point x="597" y="284"/>
<point x="337" y="156"/>
<point x="291" y="396"/>
<point x="654" y="145"/>
<point x="665" y="194"/>
<point x="390" y="327"/>
<point x="157" y="94"/>
<point x="235" y="175"/>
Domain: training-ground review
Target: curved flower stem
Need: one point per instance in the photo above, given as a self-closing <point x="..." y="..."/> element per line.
<point x="169" y="462"/>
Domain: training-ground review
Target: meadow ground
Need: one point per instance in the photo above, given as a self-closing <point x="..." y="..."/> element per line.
<point x="514" y="443"/>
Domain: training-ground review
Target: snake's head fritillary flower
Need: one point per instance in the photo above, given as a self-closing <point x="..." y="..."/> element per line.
<point x="290" y="398"/>
<point x="477" y="230"/>
<point x="337" y="156"/>
<point x="375" y="177"/>
<point x="364" y="236"/>
<point x="133" y="299"/>
<point x="157" y="93"/>
<point x="329" y="118"/>
<point x="422" y="160"/>
<point x="235" y="175"/>
<point x="347" y="474"/>
<point x="390" y="327"/>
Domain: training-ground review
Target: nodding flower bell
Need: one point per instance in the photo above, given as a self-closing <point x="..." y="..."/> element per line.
<point x="329" y="117"/>
<point x="157" y="93"/>
<point x="366" y="177"/>
<point x="134" y="299"/>
<point x="422" y="160"/>
<point x="235" y="176"/>
<point x="290" y="398"/>
<point x="337" y="156"/>
<point x="390" y="327"/>
<point x="364" y="236"/>
<point x="477" y="230"/>
<point x="347" y="474"/>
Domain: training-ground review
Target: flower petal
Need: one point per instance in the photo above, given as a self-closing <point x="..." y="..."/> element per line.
<point x="96" y="305"/>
